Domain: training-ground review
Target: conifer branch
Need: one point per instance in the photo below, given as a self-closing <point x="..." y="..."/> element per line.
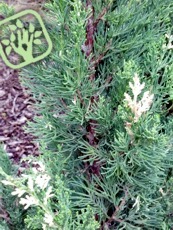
<point x="94" y="61"/>
<point x="90" y="33"/>
<point x="90" y="30"/>
<point x="117" y="209"/>
<point x="63" y="102"/>
<point x="80" y="97"/>
<point x="101" y="15"/>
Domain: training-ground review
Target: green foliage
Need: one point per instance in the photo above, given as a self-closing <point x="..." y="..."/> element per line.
<point x="85" y="220"/>
<point x="6" y="10"/>
<point x="124" y="179"/>
<point x="11" y="214"/>
<point x="127" y="194"/>
<point x="34" y="218"/>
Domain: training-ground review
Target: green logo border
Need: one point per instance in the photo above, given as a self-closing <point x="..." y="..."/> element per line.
<point x="50" y="46"/>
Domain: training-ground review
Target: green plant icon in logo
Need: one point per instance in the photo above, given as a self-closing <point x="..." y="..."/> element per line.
<point x="22" y="40"/>
<point x="25" y="38"/>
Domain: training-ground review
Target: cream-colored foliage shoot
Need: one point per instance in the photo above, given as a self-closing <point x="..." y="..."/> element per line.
<point x="141" y="106"/>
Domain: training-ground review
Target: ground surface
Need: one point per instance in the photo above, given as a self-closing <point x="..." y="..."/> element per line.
<point x="15" y="110"/>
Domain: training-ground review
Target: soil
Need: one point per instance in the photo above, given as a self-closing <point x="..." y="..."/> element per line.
<point x="16" y="108"/>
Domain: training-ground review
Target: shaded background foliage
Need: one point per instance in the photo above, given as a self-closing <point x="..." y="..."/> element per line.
<point x="98" y="47"/>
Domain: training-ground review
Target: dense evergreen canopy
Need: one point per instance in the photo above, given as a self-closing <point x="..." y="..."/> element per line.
<point x="104" y="103"/>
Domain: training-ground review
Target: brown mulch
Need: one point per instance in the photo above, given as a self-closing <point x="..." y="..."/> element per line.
<point x="16" y="105"/>
<point x="16" y="108"/>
